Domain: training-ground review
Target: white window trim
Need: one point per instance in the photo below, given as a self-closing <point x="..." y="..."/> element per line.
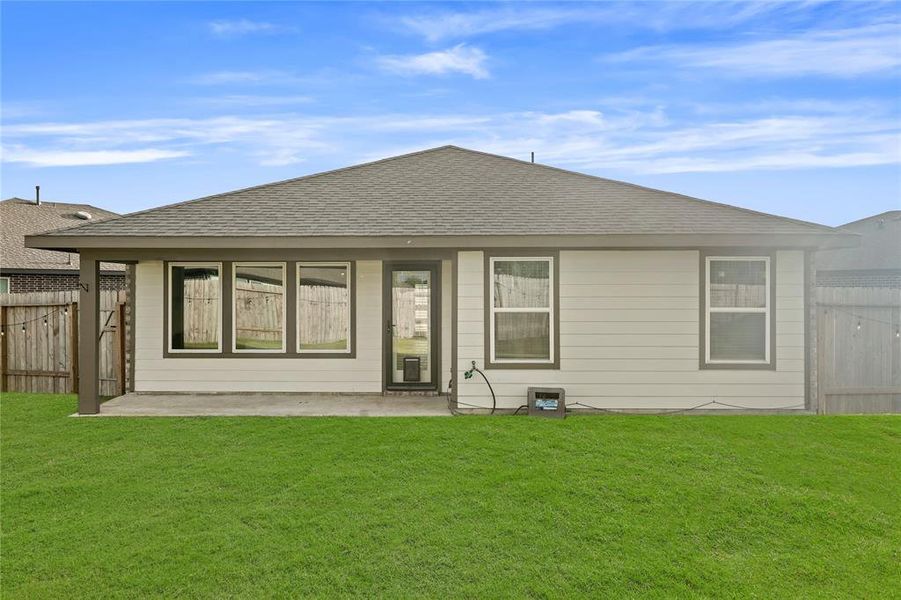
<point x="349" y="271"/>
<point x="767" y="310"/>
<point x="218" y="266"/>
<point x="284" y="269"/>
<point x="493" y="310"/>
<point x="8" y="283"/>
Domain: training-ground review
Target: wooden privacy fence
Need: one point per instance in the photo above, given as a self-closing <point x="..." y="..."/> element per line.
<point x="39" y="345"/>
<point x="859" y="349"/>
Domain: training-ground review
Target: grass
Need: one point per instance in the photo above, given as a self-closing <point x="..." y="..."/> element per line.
<point x="690" y="506"/>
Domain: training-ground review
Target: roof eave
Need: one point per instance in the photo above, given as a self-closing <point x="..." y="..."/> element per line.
<point x="820" y="241"/>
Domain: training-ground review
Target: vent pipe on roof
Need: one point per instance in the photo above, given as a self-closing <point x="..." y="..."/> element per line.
<point x="37" y="195"/>
<point x="533" y="158"/>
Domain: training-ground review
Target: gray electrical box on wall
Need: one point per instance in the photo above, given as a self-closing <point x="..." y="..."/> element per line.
<point x="547" y="402"/>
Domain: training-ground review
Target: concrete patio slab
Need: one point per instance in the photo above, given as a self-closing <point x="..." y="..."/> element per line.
<point x="273" y="405"/>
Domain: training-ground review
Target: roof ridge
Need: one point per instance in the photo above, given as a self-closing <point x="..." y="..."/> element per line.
<point x="643" y="187"/>
<point x="895" y="212"/>
<point x="57" y="203"/>
<point x="279" y="182"/>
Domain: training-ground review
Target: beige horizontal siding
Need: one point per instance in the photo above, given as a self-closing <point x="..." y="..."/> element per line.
<point x="155" y="373"/>
<point x="629" y="335"/>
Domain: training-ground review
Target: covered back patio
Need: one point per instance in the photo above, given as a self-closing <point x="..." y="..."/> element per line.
<point x="368" y="378"/>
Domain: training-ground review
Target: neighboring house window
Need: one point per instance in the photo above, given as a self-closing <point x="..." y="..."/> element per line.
<point x="521" y="310"/>
<point x="4" y="285"/>
<point x="195" y="307"/>
<point x="738" y="310"/>
<point x="259" y="307"/>
<point x="324" y="307"/>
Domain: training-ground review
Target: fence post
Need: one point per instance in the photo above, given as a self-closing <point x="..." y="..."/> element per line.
<point x="120" y="345"/>
<point x="4" y="358"/>
<point x="73" y="343"/>
<point x="821" y="370"/>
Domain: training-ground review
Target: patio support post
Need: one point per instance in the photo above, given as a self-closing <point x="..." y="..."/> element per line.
<point x="811" y="335"/>
<point x="454" y="340"/>
<point x="88" y="345"/>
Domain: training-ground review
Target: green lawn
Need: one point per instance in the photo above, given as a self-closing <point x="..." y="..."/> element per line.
<point x="678" y="506"/>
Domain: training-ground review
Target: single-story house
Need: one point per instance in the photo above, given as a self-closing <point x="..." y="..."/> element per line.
<point x="399" y="274"/>
<point x="876" y="262"/>
<point x="24" y="269"/>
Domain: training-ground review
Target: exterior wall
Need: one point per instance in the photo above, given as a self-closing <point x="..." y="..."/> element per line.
<point x="267" y="374"/>
<point x="630" y="336"/>
<point x="22" y="283"/>
<point x="364" y="373"/>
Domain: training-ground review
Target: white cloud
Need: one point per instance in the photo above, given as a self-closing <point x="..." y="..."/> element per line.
<point x="246" y="77"/>
<point x="459" y="59"/>
<point x="448" y="25"/>
<point x="613" y="141"/>
<point x="249" y="100"/>
<point x="840" y="53"/>
<point x="242" y="27"/>
<point x="20" y="110"/>
<point x="440" y="25"/>
<point x="584" y="117"/>
<point x="76" y="158"/>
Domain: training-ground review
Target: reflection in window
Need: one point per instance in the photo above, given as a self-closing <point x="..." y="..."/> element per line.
<point x="738" y="310"/>
<point x="323" y="308"/>
<point x="259" y="315"/>
<point x="194" y="307"/>
<point x="738" y="336"/>
<point x="521" y="309"/>
<point x="522" y="336"/>
<point x="738" y="283"/>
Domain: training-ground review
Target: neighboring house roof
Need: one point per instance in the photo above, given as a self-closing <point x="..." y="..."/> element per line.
<point x="880" y="246"/>
<point x="19" y="218"/>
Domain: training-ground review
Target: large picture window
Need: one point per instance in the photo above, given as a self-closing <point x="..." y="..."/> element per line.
<point x="259" y="307"/>
<point x="521" y="310"/>
<point x="195" y="307"/>
<point x="324" y="308"/>
<point x="738" y="313"/>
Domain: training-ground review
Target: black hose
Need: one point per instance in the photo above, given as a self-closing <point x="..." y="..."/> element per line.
<point x="491" y="389"/>
<point x="450" y="386"/>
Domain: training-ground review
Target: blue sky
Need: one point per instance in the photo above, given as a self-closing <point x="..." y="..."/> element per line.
<point x="790" y="108"/>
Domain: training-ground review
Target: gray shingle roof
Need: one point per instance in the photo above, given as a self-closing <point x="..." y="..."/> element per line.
<point x="19" y="218"/>
<point x="444" y="191"/>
